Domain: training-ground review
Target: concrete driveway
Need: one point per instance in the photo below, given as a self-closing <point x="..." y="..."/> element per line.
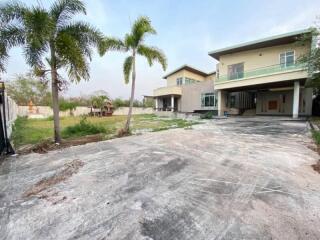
<point x="240" y="178"/>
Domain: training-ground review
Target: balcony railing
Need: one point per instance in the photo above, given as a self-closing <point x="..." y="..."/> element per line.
<point x="274" y="69"/>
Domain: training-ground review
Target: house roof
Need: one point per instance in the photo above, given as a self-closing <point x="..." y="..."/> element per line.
<point x="189" y="68"/>
<point x="260" y="43"/>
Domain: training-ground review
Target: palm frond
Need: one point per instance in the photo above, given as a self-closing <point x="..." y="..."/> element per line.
<point x="3" y="57"/>
<point x="10" y="36"/>
<point x="71" y="56"/>
<point x="112" y="44"/>
<point x="85" y="36"/>
<point x="153" y="54"/>
<point x="127" y="68"/>
<point x="39" y="29"/>
<point x="63" y="10"/>
<point x="141" y="27"/>
<point x="12" y="11"/>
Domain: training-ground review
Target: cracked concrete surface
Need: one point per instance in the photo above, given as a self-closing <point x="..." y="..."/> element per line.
<point x="236" y="178"/>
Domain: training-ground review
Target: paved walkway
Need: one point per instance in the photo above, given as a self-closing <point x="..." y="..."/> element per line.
<point x="247" y="178"/>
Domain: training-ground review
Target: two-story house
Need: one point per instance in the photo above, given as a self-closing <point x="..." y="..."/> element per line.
<point x="188" y="90"/>
<point x="267" y="73"/>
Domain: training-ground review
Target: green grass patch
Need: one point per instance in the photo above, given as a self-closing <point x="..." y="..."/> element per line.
<point x="83" y="128"/>
<point x="25" y="133"/>
<point x="33" y="131"/>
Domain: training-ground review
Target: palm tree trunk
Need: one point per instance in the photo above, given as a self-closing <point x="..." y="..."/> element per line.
<point x="55" y="98"/>
<point x="127" y="126"/>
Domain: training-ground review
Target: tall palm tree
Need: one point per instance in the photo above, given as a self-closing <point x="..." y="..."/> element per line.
<point x="133" y="42"/>
<point x="51" y="41"/>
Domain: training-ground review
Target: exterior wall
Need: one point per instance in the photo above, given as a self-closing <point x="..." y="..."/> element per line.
<point x="211" y="77"/>
<point x="305" y="102"/>
<point x="171" y="80"/>
<point x="191" y="96"/>
<point x="259" y="58"/>
<point x="172" y="90"/>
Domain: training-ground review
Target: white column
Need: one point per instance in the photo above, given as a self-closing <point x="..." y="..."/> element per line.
<point x="156" y="104"/>
<point x="221" y="102"/>
<point x="172" y="103"/>
<point x="296" y="93"/>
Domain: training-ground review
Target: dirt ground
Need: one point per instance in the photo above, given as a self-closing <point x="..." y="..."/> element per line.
<point x="236" y="178"/>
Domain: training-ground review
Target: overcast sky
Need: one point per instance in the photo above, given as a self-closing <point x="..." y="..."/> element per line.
<point x="187" y="31"/>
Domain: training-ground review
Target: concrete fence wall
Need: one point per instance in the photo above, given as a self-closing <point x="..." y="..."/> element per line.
<point x="45" y="111"/>
<point x="11" y="113"/>
<point x="135" y="110"/>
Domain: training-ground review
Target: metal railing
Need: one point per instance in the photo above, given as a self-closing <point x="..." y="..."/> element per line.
<point x="279" y="68"/>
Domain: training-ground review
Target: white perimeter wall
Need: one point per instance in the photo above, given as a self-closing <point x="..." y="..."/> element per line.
<point x="11" y="113"/>
<point x="45" y="111"/>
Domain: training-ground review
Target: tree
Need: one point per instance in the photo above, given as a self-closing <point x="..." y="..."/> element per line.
<point x="133" y="42"/>
<point x="65" y="105"/>
<point x="99" y="102"/>
<point x="27" y="87"/>
<point x="51" y="42"/>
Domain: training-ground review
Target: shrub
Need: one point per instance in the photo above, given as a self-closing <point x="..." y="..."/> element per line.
<point x="207" y="115"/>
<point x="82" y="129"/>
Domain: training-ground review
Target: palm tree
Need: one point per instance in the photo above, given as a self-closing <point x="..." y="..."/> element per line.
<point x="51" y="41"/>
<point x="133" y="42"/>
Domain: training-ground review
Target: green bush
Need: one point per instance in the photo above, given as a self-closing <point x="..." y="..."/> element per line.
<point x="82" y="129"/>
<point x="207" y="115"/>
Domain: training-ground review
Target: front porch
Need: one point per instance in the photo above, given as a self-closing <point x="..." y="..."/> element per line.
<point x="288" y="98"/>
<point x="168" y="103"/>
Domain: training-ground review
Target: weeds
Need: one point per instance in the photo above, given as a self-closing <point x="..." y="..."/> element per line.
<point x="83" y="128"/>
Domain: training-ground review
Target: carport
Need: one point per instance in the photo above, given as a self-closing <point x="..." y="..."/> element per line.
<point x="286" y="98"/>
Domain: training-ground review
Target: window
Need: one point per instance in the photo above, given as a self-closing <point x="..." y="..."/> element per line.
<point x="287" y="59"/>
<point x="190" y="81"/>
<point x="208" y="100"/>
<point x="235" y="71"/>
<point x="179" y="81"/>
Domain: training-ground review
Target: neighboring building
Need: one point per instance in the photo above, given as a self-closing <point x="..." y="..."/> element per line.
<point x="266" y="75"/>
<point x="188" y="90"/>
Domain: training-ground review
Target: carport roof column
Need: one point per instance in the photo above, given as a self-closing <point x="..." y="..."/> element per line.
<point x="172" y="103"/>
<point x="296" y="93"/>
<point x="222" y="99"/>
<point x="156" y="103"/>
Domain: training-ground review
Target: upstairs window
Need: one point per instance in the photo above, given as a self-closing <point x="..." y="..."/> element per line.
<point x="190" y="81"/>
<point x="179" y="81"/>
<point x="287" y="59"/>
<point x="235" y="71"/>
<point x="208" y="100"/>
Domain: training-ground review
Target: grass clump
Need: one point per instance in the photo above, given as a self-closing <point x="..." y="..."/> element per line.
<point x="316" y="136"/>
<point x="207" y="115"/>
<point x="83" y="128"/>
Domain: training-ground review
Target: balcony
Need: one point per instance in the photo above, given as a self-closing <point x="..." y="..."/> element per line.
<point x="261" y="72"/>
<point x="166" y="91"/>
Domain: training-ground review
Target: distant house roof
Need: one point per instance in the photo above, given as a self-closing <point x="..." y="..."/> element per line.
<point x="189" y="68"/>
<point x="260" y="43"/>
